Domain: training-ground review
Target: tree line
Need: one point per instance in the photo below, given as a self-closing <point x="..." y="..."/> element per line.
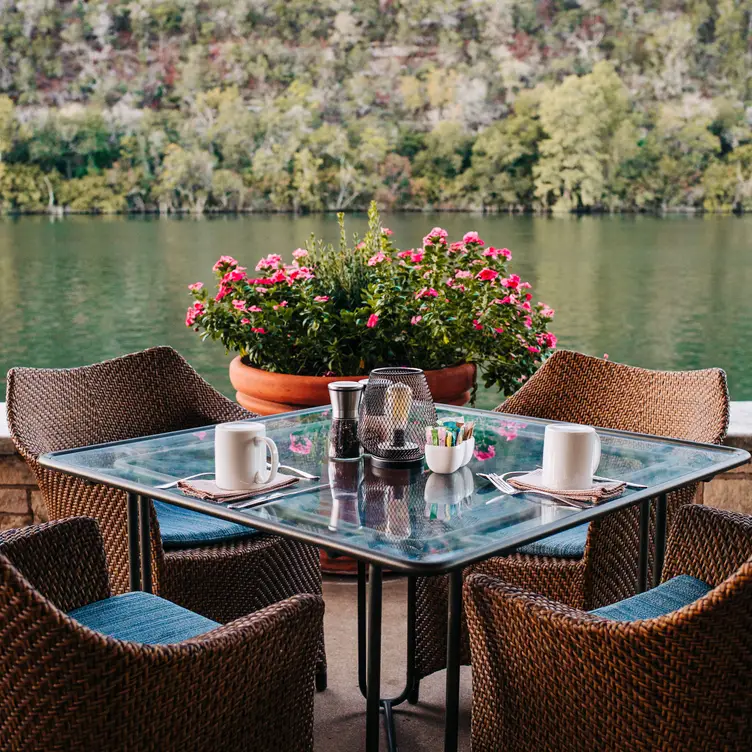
<point x="287" y="105"/>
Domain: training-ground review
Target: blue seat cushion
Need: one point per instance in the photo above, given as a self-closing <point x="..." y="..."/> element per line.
<point x="142" y="617"/>
<point x="182" y="528"/>
<point x="667" y="597"/>
<point x="569" y="544"/>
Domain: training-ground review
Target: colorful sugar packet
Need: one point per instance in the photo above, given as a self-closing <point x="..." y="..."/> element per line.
<point x="450" y="432"/>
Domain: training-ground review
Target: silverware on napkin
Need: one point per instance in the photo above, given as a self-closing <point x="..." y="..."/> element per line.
<point x="274" y="497"/>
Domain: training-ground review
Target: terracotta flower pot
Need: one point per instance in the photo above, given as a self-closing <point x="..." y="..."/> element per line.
<point x="269" y="393"/>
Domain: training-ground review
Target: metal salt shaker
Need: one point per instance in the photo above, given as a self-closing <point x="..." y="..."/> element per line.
<point x="343" y="437"/>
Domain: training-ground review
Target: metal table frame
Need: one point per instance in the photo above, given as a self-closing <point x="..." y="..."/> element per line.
<point x="370" y="602"/>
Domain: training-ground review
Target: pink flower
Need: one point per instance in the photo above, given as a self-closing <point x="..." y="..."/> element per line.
<point x="386" y="231"/>
<point x="456" y="247"/>
<point x="426" y="275"/>
<point x="496" y="252"/>
<point x="299" y="253"/>
<point x="416" y="257"/>
<point x="487" y="275"/>
<point x="360" y="246"/>
<point x="477" y="324"/>
<point x="272" y="261"/>
<point x="526" y="307"/>
<point x="525" y="285"/>
<point x="300" y="444"/>
<point x="504" y="300"/>
<point x="258" y="330"/>
<point x="238" y="305"/>
<point x="528" y="322"/>
<point x="528" y="297"/>
<point x="223" y="291"/>
<point x="472" y="237"/>
<point x="426" y="292"/>
<point x="253" y="309"/>
<point x="437" y="235"/>
<point x="546" y="312"/>
<point x="548" y="339"/>
<point x="377" y="258"/>
<point x="416" y="320"/>
<point x="278" y="276"/>
<point x="499" y="329"/>
<point x="224" y="260"/>
<point x="460" y="274"/>
<point x="196" y="286"/>
<point x="605" y="356"/>
<point x="283" y="304"/>
<point x="260" y="281"/>
<point x="488" y="454"/>
<point x="533" y="349"/>
<point x="302" y="273"/>
<point x="196" y="310"/>
<point x="321" y="299"/>
<point x="245" y="321"/>
<point x="513" y="281"/>
<point x="373" y="319"/>
<point x="405" y="254"/>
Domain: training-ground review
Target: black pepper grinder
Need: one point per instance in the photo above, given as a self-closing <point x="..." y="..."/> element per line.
<point x="343" y="436"/>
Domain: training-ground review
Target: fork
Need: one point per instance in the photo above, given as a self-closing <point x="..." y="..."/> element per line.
<point x="510" y="490"/>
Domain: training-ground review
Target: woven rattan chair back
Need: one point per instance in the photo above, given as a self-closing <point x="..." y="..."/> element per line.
<point x="247" y="685"/>
<point x="145" y="393"/>
<point x="576" y="388"/>
<point x="548" y="676"/>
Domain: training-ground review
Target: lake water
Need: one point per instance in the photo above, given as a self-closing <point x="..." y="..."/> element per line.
<point x="669" y="293"/>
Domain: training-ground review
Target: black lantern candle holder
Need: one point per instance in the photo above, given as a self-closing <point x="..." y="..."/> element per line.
<point x="396" y="409"/>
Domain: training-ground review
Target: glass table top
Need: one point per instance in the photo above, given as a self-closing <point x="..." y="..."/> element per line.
<point x="413" y="521"/>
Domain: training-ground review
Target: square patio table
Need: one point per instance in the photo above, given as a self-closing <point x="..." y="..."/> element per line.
<point x="416" y="523"/>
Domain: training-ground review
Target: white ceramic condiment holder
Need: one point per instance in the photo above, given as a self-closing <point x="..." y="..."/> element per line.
<point x="443" y="459"/>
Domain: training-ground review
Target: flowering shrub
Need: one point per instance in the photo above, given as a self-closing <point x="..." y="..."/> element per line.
<point x="345" y="311"/>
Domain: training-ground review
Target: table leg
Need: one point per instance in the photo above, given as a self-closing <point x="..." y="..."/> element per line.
<point x="373" y="667"/>
<point x="362" y="629"/>
<point x="144" y="526"/>
<point x="413" y="683"/>
<point x="454" y="626"/>
<point x="134" y="550"/>
<point x="660" y="539"/>
<point x="642" y="565"/>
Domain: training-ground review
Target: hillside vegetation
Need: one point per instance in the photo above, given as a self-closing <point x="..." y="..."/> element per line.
<point x="495" y="105"/>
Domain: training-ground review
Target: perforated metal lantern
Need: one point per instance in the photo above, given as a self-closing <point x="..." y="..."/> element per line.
<point x="396" y="409"/>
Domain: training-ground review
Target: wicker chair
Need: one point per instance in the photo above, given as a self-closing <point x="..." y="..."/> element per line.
<point x="246" y="685"/>
<point x="550" y="677"/>
<point x="691" y="405"/>
<point x="145" y="393"/>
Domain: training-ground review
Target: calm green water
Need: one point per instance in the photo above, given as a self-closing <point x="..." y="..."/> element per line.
<point x="661" y="293"/>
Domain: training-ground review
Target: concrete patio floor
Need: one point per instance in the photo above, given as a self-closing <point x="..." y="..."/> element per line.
<point x="340" y="711"/>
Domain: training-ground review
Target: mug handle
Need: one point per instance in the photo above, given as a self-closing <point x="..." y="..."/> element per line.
<point x="259" y="478"/>
<point x="596" y="453"/>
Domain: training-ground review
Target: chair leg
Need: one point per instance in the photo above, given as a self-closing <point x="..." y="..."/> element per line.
<point x="321" y="680"/>
<point x="413" y="696"/>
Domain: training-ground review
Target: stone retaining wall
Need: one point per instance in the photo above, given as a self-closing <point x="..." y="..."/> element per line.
<point x="21" y="501"/>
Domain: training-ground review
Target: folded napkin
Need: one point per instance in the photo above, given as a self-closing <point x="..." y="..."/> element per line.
<point x="598" y="492"/>
<point x="208" y="490"/>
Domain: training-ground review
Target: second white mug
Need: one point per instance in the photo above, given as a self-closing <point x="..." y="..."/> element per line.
<point x="571" y="454"/>
<point x="240" y="456"/>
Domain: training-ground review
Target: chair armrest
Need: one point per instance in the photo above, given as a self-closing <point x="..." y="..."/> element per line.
<point x="64" y="560"/>
<point x="709" y="544"/>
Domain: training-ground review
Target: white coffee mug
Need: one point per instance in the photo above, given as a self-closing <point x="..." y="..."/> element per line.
<point x="571" y="454"/>
<point x="240" y="456"/>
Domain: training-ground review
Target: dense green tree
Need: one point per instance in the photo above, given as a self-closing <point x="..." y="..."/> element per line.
<point x="191" y="105"/>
